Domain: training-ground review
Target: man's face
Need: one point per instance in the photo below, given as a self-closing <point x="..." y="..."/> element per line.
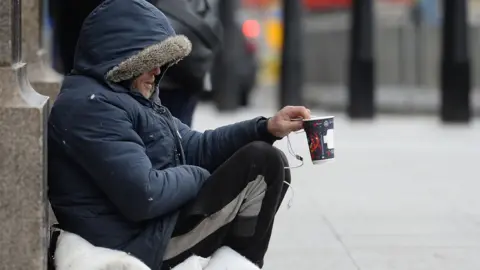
<point x="145" y="83"/>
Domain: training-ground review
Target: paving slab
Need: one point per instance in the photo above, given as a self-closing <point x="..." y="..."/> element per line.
<point x="417" y="258"/>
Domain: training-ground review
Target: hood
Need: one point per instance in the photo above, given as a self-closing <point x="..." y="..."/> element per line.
<point x="122" y="39"/>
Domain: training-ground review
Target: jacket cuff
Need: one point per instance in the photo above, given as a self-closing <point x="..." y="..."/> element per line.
<point x="265" y="135"/>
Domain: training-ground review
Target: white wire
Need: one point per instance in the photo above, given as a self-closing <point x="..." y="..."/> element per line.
<point x="292" y="152"/>
<point x="290" y="202"/>
<point x="298" y="157"/>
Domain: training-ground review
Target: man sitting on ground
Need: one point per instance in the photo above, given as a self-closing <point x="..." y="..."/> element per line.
<point x="124" y="174"/>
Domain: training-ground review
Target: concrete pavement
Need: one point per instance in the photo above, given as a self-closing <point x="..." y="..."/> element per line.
<point x="402" y="194"/>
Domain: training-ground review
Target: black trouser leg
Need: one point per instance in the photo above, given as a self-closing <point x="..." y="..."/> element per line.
<point x="243" y="244"/>
<point x="236" y="207"/>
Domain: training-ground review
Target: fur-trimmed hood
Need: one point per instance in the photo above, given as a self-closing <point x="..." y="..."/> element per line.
<point x="122" y="39"/>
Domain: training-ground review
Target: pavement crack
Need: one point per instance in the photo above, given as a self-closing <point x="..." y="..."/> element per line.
<point x="339" y="239"/>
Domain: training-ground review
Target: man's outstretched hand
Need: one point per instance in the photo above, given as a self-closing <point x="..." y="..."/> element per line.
<point x="283" y="122"/>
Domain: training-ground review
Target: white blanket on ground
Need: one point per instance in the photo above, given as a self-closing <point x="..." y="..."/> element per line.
<point x="75" y="253"/>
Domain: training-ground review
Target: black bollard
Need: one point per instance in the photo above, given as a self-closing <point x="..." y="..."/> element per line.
<point x="291" y="75"/>
<point x="226" y="97"/>
<point x="361" y="82"/>
<point x="455" y="64"/>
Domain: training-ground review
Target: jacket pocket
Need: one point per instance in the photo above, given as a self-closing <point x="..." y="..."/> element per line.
<point x="160" y="148"/>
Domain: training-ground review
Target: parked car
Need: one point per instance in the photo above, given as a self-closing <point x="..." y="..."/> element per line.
<point x="246" y="68"/>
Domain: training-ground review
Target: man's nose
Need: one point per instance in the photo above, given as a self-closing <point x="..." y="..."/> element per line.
<point x="156" y="71"/>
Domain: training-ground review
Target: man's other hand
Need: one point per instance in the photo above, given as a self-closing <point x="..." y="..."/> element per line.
<point x="287" y="120"/>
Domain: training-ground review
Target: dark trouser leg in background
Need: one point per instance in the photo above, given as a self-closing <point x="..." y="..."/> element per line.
<point x="180" y="103"/>
<point x="236" y="207"/>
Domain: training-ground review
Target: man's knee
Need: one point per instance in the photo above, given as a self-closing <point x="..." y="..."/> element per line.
<point x="265" y="152"/>
<point x="284" y="158"/>
<point x="267" y="159"/>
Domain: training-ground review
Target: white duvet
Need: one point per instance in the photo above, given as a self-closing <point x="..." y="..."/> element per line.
<point x="75" y="253"/>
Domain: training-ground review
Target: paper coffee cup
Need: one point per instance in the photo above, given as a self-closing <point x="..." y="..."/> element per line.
<point x="320" y="136"/>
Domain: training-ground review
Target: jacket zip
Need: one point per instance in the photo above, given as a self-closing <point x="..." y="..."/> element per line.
<point x="179" y="153"/>
<point x="178" y="138"/>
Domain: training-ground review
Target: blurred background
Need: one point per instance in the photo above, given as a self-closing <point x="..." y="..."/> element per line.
<point x="406" y="44"/>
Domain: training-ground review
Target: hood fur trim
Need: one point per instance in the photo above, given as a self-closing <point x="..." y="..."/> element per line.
<point x="171" y="50"/>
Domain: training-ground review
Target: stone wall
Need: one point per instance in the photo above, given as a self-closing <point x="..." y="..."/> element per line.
<point x="23" y="163"/>
<point x="42" y="77"/>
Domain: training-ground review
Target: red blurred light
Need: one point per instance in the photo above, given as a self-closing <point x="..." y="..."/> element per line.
<point x="251" y="28"/>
